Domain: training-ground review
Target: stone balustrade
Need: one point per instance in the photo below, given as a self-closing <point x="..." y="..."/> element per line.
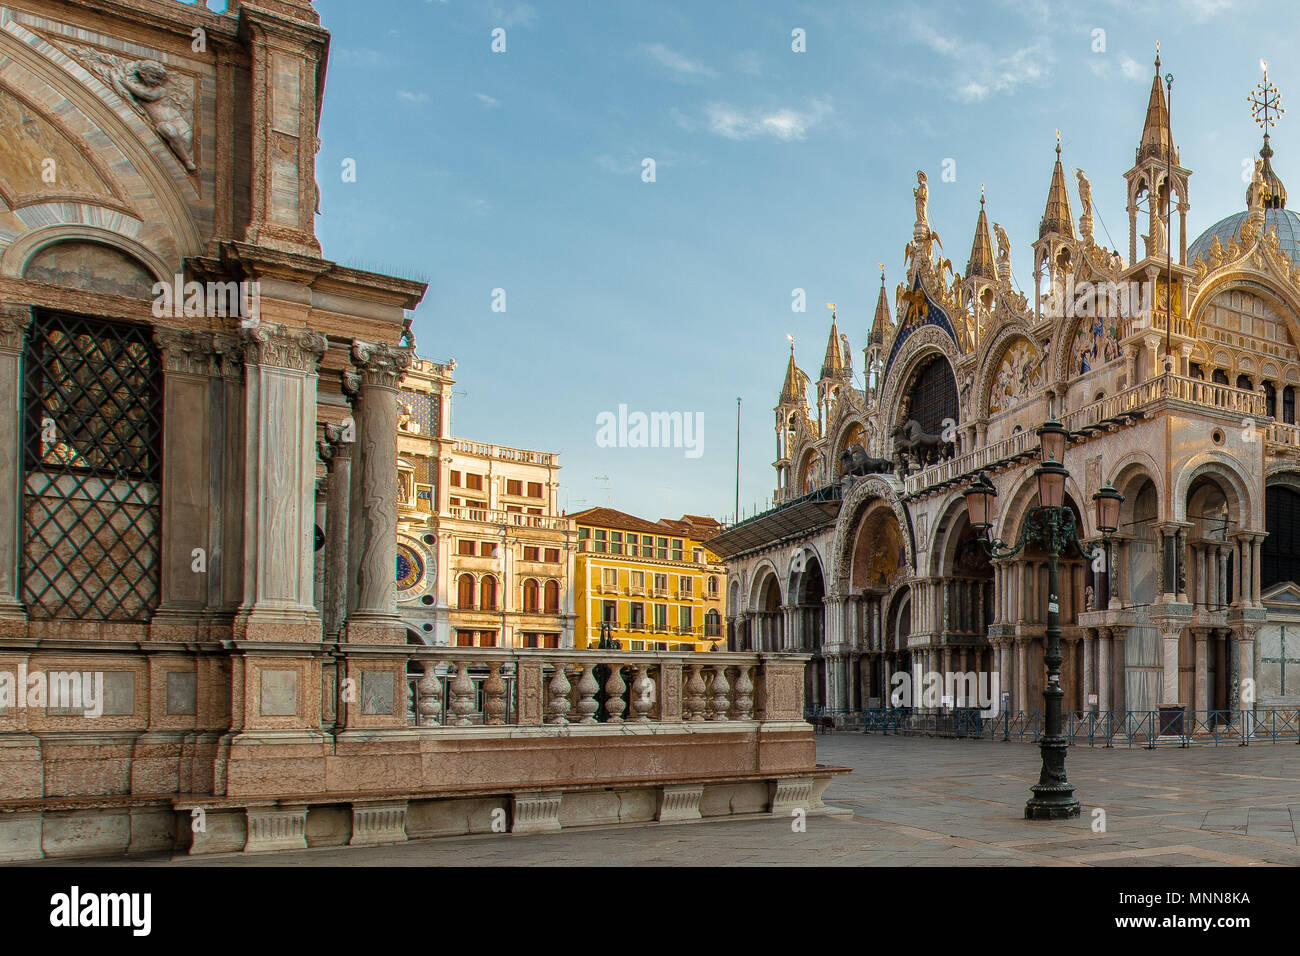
<point x="1115" y="410"/>
<point x="464" y="687"/>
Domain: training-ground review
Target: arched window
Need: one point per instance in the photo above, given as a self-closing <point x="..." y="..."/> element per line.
<point x="713" y="585"/>
<point x="1270" y="400"/>
<point x="933" y="396"/>
<point x="488" y="593"/>
<point x="530" y="596"/>
<point x="465" y="592"/>
<point x="1288" y="404"/>
<point x="1243" y="381"/>
<point x="1220" y="377"/>
<point x="712" y="624"/>
<point x="552" y="597"/>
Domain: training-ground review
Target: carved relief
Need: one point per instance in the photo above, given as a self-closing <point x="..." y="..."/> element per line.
<point x="165" y="101"/>
<point x="186" y="351"/>
<point x="298" y="350"/>
<point x="381" y="365"/>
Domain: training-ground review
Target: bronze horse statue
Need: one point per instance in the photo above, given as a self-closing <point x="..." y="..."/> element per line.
<point x="924" y="448"/>
<point x="855" y="461"/>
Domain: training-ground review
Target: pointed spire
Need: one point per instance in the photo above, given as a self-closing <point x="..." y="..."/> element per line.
<point x="982" y="263"/>
<point x="1056" y="216"/>
<point x="833" y="364"/>
<point x="882" y="324"/>
<point x="1157" y="138"/>
<point x="795" y="389"/>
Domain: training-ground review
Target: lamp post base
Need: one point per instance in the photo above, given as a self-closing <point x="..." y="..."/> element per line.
<point x="1060" y="806"/>
<point x="1053" y="797"/>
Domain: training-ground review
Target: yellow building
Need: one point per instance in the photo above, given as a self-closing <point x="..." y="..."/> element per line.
<point x="653" y="581"/>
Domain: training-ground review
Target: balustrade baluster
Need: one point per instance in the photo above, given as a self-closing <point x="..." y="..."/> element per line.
<point x="718" y="692"/>
<point x="614" y="689"/>
<point x="744" y="693"/>
<point x="558" y="708"/>
<point x="643" y="690"/>
<point x="429" y="688"/>
<point x="494" y="695"/>
<point x="587" y="690"/>
<point x="694" y="701"/>
<point x="462" y="692"/>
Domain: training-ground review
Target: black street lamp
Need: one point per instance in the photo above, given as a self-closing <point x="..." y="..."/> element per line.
<point x="1051" y="524"/>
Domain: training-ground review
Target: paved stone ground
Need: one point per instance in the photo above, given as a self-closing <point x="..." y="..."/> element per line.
<point x="924" y="802"/>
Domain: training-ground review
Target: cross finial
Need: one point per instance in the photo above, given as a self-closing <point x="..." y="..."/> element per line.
<point x="1058" y="142"/>
<point x="1157" y="56"/>
<point x="981" y="194"/>
<point x="882" y="273"/>
<point x="1265" y="102"/>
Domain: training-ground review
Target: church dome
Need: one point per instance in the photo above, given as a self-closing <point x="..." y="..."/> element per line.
<point x="1227" y="229"/>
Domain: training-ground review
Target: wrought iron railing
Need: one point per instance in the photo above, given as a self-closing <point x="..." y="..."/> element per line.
<point x="1107" y="728"/>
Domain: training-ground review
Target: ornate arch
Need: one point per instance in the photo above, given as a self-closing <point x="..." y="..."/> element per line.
<point x="1223" y="466"/>
<point x="759" y="579"/>
<point x="923" y="343"/>
<point x="840" y="432"/>
<point x="1022" y="487"/>
<point x="991" y="363"/>
<point x="1254" y="281"/>
<point x="862" y="492"/>
<point x="160" y="190"/>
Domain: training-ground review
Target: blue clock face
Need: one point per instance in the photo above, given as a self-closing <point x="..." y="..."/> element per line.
<point x="410" y="568"/>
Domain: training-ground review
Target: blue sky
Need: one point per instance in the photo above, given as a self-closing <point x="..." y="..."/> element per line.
<point x="775" y="170"/>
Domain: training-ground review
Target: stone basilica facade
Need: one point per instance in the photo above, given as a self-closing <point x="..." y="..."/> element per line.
<point x="1174" y="366"/>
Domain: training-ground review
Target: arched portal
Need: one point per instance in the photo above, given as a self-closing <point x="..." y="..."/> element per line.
<point x="807" y="600"/>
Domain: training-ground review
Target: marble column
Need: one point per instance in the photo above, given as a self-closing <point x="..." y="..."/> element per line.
<point x="1169" y="635"/>
<point x="1255" y="563"/>
<point x="373" y="619"/>
<point x="337" y="454"/>
<point x="1118" y="692"/>
<point x="1089" y="668"/>
<point x="1200" y="686"/>
<point x="280" y="483"/>
<point x="1220" y="669"/>
<point x="1103" y="669"/>
<point x="1246" y="661"/>
<point x="1019" y="694"/>
<point x="14" y="320"/>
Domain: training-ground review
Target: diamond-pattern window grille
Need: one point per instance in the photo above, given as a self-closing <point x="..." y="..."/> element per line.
<point x="92" y="448"/>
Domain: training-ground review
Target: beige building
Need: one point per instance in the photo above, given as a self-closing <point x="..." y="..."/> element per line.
<point x="483" y="557"/>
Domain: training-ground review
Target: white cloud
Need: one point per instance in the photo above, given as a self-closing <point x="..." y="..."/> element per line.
<point x="486" y="100"/>
<point x="1202" y="10"/>
<point x="978" y="71"/>
<point x="406" y="96"/>
<point x="1130" y="67"/>
<point x="786" y="124"/>
<point x="674" y="61"/>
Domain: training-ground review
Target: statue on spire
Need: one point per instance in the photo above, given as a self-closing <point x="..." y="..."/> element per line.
<point x="1085" y="201"/>
<point x="922" y="195"/>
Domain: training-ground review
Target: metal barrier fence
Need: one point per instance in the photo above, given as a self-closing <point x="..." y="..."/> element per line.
<point x="1107" y="728"/>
